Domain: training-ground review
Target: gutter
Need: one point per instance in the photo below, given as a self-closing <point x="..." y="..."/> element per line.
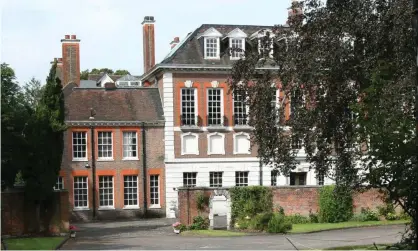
<point x="144" y="169"/>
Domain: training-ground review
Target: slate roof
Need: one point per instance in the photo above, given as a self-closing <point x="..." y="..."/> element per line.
<point x="88" y="84"/>
<point x="96" y="77"/>
<point x="120" y="104"/>
<point x="190" y="50"/>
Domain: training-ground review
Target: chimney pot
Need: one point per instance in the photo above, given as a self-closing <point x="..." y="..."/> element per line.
<point x="67" y="36"/>
<point x="73" y="37"/>
<point x="176" y="39"/>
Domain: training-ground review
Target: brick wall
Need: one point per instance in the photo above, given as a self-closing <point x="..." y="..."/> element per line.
<point x="294" y="200"/>
<point x="18" y="218"/>
<point x="117" y="168"/>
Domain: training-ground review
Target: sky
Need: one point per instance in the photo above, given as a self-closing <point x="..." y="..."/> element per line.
<point x="111" y="30"/>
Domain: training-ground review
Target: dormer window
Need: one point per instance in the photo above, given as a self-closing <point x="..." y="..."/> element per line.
<point x="128" y="81"/>
<point x="211" y="43"/>
<point x="265" y="45"/>
<point x="237" y="40"/>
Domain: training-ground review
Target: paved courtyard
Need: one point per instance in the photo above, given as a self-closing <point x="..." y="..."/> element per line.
<point x="158" y="234"/>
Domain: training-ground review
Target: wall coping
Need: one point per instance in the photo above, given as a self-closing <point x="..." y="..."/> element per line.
<point x="227" y="188"/>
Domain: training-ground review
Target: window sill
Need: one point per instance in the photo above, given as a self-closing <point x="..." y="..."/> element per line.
<point x="237" y="153"/>
<point x="80" y="160"/>
<point x="189" y="153"/>
<point x="155" y="207"/>
<point x="190" y="128"/>
<point x="81" y="209"/>
<point x="243" y="128"/>
<point x="104" y="160"/>
<point x="106" y="208"/>
<point x="223" y="153"/>
<point x="127" y="159"/>
<point x="130" y="207"/>
<point x="217" y="128"/>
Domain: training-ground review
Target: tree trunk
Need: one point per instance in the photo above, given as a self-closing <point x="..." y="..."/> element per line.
<point x="38" y="217"/>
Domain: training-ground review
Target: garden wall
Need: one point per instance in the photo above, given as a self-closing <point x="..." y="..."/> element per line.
<point x="293" y="199"/>
<point x="18" y="218"/>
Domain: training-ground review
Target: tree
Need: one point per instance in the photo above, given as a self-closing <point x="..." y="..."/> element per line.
<point x="84" y="75"/>
<point x="33" y="92"/>
<point x="46" y="144"/>
<point x="121" y="72"/>
<point x="13" y="123"/>
<point x="345" y="69"/>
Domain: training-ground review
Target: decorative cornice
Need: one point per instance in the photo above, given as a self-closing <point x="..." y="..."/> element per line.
<point x="115" y="123"/>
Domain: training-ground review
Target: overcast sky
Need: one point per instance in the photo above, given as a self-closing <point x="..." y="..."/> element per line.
<point x="110" y="30"/>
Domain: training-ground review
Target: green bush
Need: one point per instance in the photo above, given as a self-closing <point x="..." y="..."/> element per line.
<point x="242" y="224"/>
<point x="391" y="216"/>
<point x="297" y="219"/>
<point x="260" y="221"/>
<point x="335" y="204"/>
<point x="386" y="209"/>
<point x="404" y="216"/>
<point x="279" y="224"/>
<point x="366" y="215"/>
<point x="250" y="201"/>
<point x="313" y="218"/>
<point x="200" y="223"/>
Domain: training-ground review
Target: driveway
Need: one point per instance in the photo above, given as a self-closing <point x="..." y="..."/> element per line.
<point x="158" y="234"/>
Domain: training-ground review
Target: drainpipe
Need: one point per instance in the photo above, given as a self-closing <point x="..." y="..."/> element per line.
<point x="261" y="172"/>
<point x="144" y="168"/>
<point x="93" y="169"/>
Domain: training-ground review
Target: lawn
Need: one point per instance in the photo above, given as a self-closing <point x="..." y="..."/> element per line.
<point x="41" y="243"/>
<point x="363" y="247"/>
<point x="313" y="227"/>
<point x="212" y="233"/>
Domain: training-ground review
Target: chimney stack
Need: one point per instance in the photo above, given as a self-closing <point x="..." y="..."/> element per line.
<point x="70" y="61"/>
<point x="175" y="42"/>
<point x="148" y="43"/>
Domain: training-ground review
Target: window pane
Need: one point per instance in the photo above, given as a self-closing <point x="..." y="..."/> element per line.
<point x="130" y="190"/>
<point x="154" y="190"/>
<point x="80" y="192"/>
<point x="79" y="145"/>
<point x="188" y="103"/>
<point x="105" y="191"/>
<point x="129" y="145"/>
<point x="105" y="144"/>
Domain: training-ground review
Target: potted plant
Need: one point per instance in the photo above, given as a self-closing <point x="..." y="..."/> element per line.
<point x="177" y="227"/>
<point x="72" y="231"/>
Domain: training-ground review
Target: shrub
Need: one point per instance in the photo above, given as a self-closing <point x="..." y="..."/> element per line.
<point x="279" y="224"/>
<point x="386" y="209"/>
<point x="200" y="223"/>
<point x="242" y="223"/>
<point x="313" y="218"/>
<point x="201" y="201"/>
<point x="369" y="214"/>
<point x="404" y="216"/>
<point x="260" y="221"/>
<point x="391" y="216"/>
<point x="250" y="201"/>
<point x="335" y="204"/>
<point x="297" y="219"/>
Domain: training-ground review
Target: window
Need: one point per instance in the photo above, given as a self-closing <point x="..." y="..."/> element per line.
<point x="130" y="191"/>
<point x="215" y="179"/>
<point x="296" y="143"/>
<point x="80" y="145"/>
<point x="216" y="143"/>
<point x="211" y="47"/>
<point x="320" y="179"/>
<point x="130" y="145"/>
<point x="214" y="107"/>
<point x="106" y="191"/>
<point x="189" y="144"/>
<point x="265" y="46"/>
<point x="80" y="192"/>
<point x="242" y="143"/>
<point x="123" y="83"/>
<point x="296" y="101"/>
<point x="188" y="106"/>
<point x="105" y="145"/>
<point x="189" y="179"/>
<point x="297" y="179"/>
<point x="241" y="179"/>
<point x="134" y="83"/>
<point x="237" y="43"/>
<point x="60" y="183"/>
<point x="273" y="178"/>
<point x="240" y="108"/>
<point x="154" y="190"/>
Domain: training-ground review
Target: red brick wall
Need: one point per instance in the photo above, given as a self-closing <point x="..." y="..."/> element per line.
<point x="294" y="200"/>
<point x="18" y="218"/>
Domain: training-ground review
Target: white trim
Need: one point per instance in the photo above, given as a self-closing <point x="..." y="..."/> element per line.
<point x="113" y="193"/>
<point x="113" y="148"/>
<point x="214" y="84"/>
<point x="211" y="32"/>
<point x="218" y="48"/>
<point x="72" y="147"/>
<point x="235" y="142"/>
<point x="237" y="33"/>
<point x="222" y="151"/>
<point x="222" y="103"/>
<point x="188" y="84"/>
<point x="137" y="145"/>
<point x="81" y="208"/>
<point x="196" y="136"/>
<point x="130" y="158"/>
<point x="105" y="208"/>
<point x="196" y="103"/>
<point x="168" y="107"/>
<point x="137" y="192"/>
<point x="242" y="45"/>
<point x="155" y="206"/>
<point x="131" y="207"/>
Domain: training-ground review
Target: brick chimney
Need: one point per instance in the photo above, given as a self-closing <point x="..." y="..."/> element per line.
<point x="70" y="60"/>
<point x="148" y="42"/>
<point x="175" y="42"/>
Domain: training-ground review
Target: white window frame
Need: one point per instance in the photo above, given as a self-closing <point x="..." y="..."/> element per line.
<point x="218" y="47"/>
<point x="113" y="193"/>
<point x="187" y="178"/>
<point x="222" y="105"/>
<point x="196" y="152"/>
<point x="158" y="191"/>
<point x="60" y="180"/>
<point x="242" y="47"/>
<point x="196" y="103"/>
<point x="98" y="150"/>
<point x="236" y="143"/>
<point x="123" y="145"/>
<point x="215" y="179"/>
<point x="137" y="193"/>
<point x="247" y="108"/>
<point x="72" y="146"/>
<point x="222" y="150"/>
<point x="87" y="189"/>
<point x="248" y="178"/>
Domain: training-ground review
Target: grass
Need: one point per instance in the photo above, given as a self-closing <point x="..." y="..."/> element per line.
<point x="313" y="227"/>
<point x="39" y="243"/>
<point x="212" y="233"/>
<point x="362" y="247"/>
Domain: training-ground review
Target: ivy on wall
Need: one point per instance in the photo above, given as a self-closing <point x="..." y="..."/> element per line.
<point x="250" y="201"/>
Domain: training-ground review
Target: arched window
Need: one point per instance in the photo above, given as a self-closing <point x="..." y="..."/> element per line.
<point x="189" y="144"/>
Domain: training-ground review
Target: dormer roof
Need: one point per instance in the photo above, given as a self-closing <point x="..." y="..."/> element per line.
<point x="237" y="33"/>
<point x="211" y="32"/>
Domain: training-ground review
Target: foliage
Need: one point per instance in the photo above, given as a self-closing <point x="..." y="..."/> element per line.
<point x="366" y="215"/>
<point x="250" y="201"/>
<point x="313" y="217"/>
<point x="297" y="219"/>
<point x="242" y="223"/>
<point x="33" y="92"/>
<point x="199" y="223"/>
<point x="179" y="226"/>
<point x="201" y="201"/>
<point x="335" y="204"/>
<point x="279" y="224"/>
<point x="354" y="62"/>
<point x="392" y="216"/>
<point x="388" y="208"/>
<point x="260" y="221"/>
<point x="37" y="243"/>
